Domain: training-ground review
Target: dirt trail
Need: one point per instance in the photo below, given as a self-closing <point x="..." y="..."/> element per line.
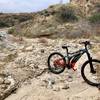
<point x="26" y="63"/>
<point x="34" y="91"/>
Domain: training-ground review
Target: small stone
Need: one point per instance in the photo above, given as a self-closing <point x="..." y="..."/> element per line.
<point x="52" y="79"/>
<point x="49" y="86"/>
<point x="42" y="50"/>
<point x="7" y="82"/>
<point x="57" y="89"/>
<point x="43" y="84"/>
<point x="1" y="80"/>
<point x="30" y="48"/>
<point x="3" y="86"/>
<point x="36" y="66"/>
<point x="70" y="79"/>
<point x="1" y="94"/>
<point x="65" y="87"/>
<point x="51" y="82"/>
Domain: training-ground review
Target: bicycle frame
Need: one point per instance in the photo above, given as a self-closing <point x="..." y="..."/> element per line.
<point x="75" y="56"/>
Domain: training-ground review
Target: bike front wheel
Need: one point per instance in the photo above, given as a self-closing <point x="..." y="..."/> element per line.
<point x="56" y="63"/>
<point x="92" y="78"/>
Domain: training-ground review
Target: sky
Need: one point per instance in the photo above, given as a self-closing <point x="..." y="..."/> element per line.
<point x="26" y="5"/>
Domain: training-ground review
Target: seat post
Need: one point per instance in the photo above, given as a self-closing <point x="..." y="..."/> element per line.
<point x="67" y="51"/>
<point x="65" y="47"/>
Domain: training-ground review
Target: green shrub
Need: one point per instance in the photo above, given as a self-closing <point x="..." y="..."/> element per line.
<point x="97" y="5"/>
<point x="11" y="31"/>
<point x="95" y="18"/>
<point x="3" y="24"/>
<point x="66" y="14"/>
<point x="24" y="18"/>
<point x="8" y="20"/>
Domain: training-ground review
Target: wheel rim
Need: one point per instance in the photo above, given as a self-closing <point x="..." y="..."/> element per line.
<point x="93" y="77"/>
<point x="57" y="63"/>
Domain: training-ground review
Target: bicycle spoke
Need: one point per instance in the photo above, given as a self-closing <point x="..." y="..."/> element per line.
<point x="55" y="62"/>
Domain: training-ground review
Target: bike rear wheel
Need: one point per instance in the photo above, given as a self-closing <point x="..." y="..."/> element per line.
<point x="92" y="78"/>
<point x="56" y="63"/>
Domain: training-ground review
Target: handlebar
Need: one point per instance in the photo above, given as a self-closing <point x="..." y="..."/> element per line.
<point x="85" y="43"/>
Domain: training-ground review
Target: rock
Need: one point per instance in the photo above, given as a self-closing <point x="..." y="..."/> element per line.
<point x="1" y="80"/>
<point x="4" y="74"/>
<point x="49" y="86"/>
<point x="3" y="86"/>
<point x="9" y="85"/>
<point x="1" y="94"/>
<point x="2" y="35"/>
<point x="50" y="82"/>
<point x="57" y="89"/>
<point x="35" y="65"/>
<point x="7" y="82"/>
<point x="30" y="48"/>
<point x="70" y="79"/>
<point x="65" y="87"/>
<point x="42" y="50"/>
<point x="43" y="84"/>
<point x="11" y="80"/>
<point x="8" y="91"/>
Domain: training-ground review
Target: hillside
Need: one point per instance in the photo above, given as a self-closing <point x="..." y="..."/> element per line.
<point x="61" y="20"/>
<point x="10" y="19"/>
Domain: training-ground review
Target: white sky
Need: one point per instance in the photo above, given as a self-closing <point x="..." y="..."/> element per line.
<point x="26" y="5"/>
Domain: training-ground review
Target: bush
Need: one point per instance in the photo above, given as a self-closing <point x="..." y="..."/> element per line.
<point x="67" y="14"/>
<point x="3" y="24"/>
<point x="95" y="18"/>
<point x="24" y="18"/>
<point x="11" y="31"/>
<point x="8" y="20"/>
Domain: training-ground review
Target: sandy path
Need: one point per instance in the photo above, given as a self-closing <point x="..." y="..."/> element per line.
<point x="34" y="91"/>
<point x="78" y="89"/>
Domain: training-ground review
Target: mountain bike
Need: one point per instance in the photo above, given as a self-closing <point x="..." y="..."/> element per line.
<point x="89" y="70"/>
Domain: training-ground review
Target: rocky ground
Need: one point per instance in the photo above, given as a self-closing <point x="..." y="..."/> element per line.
<point x="24" y="72"/>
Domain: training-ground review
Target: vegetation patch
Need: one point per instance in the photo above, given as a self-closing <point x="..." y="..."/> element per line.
<point x="3" y="24"/>
<point x="66" y="14"/>
<point x="9" y="20"/>
<point x="95" y="18"/>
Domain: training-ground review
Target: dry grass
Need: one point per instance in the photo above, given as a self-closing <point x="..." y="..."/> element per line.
<point x="8" y="20"/>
